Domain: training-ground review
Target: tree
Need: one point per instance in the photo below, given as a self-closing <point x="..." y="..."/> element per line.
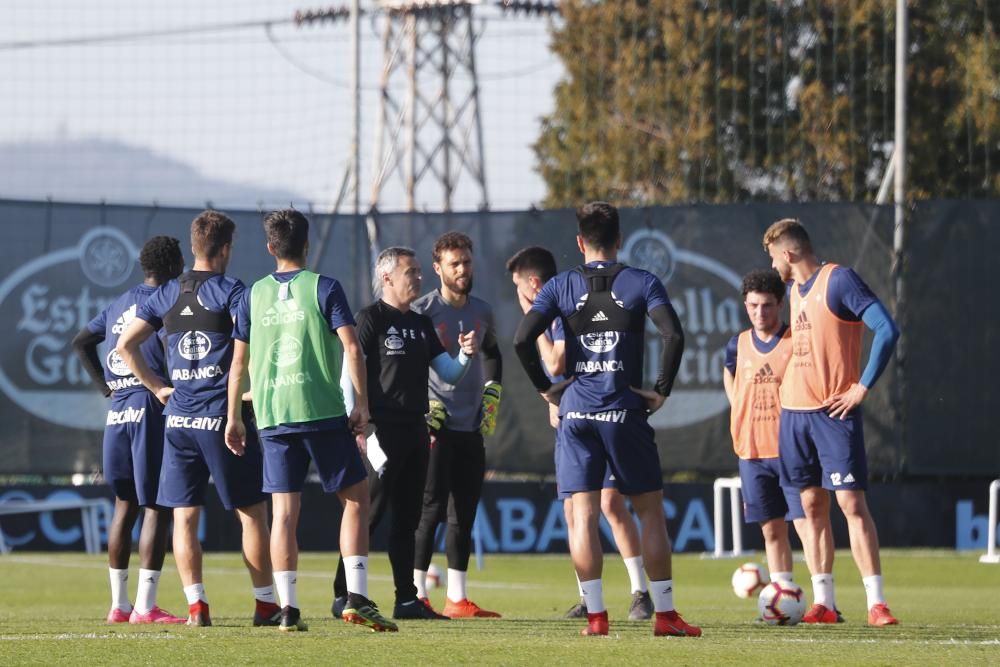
<point x="668" y="101"/>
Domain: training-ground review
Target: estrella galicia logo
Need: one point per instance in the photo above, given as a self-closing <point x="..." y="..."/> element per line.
<point x="116" y="364"/>
<point x="600" y="341"/>
<point x="194" y="345"/>
<point x="47" y="300"/>
<point x="653" y="251"/>
<point x="394" y="342"/>
<point x="107" y="259"/>
<point x="285" y="351"/>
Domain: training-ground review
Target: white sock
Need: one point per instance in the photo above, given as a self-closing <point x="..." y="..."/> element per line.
<point x="420" y="581"/>
<point x="285" y="583"/>
<point x="823" y="590"/>
<point x="636" y="574"/>
<point x="578" y="586"/>
<point x="873" y="589"/>
<point x="119" y="589"/>
<point x="145" y="597"/>
<point x="456" y="585"/>
<point x="784" y="577"/>
<point x="593" y="595"/>
<point x="264" y="594"/>
<point x="662" y="593"/>
<point x="356" y="568"/>
<point x="195" y="592"/>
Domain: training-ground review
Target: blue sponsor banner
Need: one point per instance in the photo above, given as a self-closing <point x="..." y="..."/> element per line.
<point x="526" y="517"/>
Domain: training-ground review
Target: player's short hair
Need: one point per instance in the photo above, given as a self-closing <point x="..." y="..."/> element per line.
<point x="210" y="231"/>
<point x="386" y="262"/>
<point x="161" y="258"/>
<point x="450" y="241"/>
<point x="598" y="225"/>
<point x="287" y="231"/>
<point x="788" y="230"/>
<point x="765" y="281"/>
<point x="535" y="260"/>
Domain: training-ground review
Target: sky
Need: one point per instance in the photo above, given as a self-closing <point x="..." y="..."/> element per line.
<point x="266" y="109"/>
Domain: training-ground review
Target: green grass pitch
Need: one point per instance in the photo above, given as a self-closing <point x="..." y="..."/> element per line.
<point x="52" y="608"/>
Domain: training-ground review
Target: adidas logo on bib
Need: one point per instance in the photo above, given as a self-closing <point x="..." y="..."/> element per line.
<point x="187" y="311"/>
<point x="599" y="317"/>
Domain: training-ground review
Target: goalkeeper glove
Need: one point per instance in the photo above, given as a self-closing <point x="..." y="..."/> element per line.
<point x="491" y="406"/>
<point x="436" y="417"/>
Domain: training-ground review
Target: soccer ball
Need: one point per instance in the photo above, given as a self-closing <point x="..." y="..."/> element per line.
<point x="781" y="603"/>
<point x="748" y="579"/>
<point x="433" y="576"/>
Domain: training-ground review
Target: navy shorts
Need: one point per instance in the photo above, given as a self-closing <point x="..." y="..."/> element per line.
<point x="763" y="496"/>
<point x="133" y="447"/>
<point x="609" y="478"/>
<point x="195" y="448"/>
<point x="817" y="450"/>
<point x="621" y="440"/>
<point x="333" y="450"/>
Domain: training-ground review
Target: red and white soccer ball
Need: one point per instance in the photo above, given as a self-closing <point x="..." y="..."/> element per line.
<point x="781" y="603"/>
<point x="433" y="576"/>
<point x="748" y="579"/>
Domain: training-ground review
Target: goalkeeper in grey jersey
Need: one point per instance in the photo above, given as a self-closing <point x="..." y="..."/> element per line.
<point x="461" y="415"/>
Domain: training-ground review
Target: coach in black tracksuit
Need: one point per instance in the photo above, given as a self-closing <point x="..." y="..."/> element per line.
<point x="400" y="345"/>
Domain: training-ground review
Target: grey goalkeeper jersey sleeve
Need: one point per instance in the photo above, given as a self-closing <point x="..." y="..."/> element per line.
<point x="462" y="400"/>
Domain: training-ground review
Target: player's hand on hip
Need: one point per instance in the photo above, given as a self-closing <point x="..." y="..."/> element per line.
<point x="236" y="434"/>
<point x="654" y="400"/>
<point x="553" y="415"/>
<point x="163" y="394"/>
<point x="840" y="405"/>
<point x="468" y="343"/>
<point x="554" y="393"/>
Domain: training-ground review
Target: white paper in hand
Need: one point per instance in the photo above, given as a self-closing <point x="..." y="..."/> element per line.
<point x="376" y="456"/>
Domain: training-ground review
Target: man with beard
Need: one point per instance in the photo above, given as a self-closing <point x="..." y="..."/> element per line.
<point x="469" y="410"/>
<point x="821" y="442"/>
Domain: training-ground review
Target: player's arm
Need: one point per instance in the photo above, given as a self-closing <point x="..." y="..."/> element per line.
<point x="492" y="361"/>
<point x="449" y="369"/>
<point x="354" y="360"/>
<point x="238" y="381"/>
<point x="239" y="377"/>
<point x="138" y="331"/>
<point x="452" y="369"/>
<point x="729" y="371"/>
<point x="851" y="296"/>
<point x="85" y="345"/>
<point x="668" y="325"/>
<point x="534" y="322"/>
<point x="553" y="352"/>
<point x="876" y="318"/>
<point x="493" y="370"/>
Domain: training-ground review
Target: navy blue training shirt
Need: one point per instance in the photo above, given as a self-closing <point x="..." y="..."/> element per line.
<point x="605" y="369"/>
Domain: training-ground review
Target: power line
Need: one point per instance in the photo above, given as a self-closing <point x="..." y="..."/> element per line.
<point x="139" y="35"/>
<point x="299" y="18"/>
